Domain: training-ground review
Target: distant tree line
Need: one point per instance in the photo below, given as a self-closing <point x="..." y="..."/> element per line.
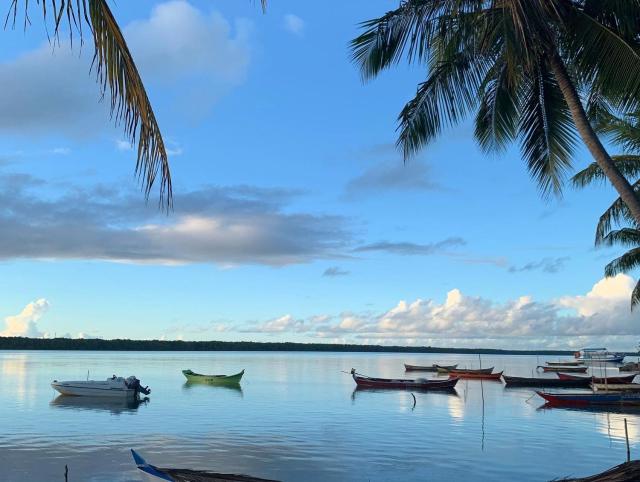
<point x="22" y="343"/>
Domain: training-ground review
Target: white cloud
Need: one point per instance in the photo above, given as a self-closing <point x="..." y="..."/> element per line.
<point x="294" y="24"/>
<point x="25" y="323"/>
<point x="602" y="315"/>
<point x="124" y="145"/>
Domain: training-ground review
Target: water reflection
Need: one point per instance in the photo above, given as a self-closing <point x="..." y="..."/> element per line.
<point x="360" y="391"/>
<point x="113" y="405"/>
<point x="189" y="385"/>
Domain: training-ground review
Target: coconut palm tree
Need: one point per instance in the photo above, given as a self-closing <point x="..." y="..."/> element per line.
<point x="616" y="225"/>
<point x="529" y="69"/>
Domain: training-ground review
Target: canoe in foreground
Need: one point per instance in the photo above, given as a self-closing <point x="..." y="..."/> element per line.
<point x="186" y="475"/>
<point x="564" y="369"/>
<point x="432" y="368"/>
<point x="612" y="380"/>
<point x="475" y="375"/>
<point x="582" y="382"/>
<point x="402" y="383"/>
<point x="213" y="379"/>
<point x="586" y="399"/>
<point x="627" y="472"/>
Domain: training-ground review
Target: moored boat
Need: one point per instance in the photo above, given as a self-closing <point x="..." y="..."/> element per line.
<point x="594" y="398"/>
<point x="599" y="355"/>
<point x="213" y="379"/>
<point x="617" y="387"/>
<point x="111" y="387"/>
<point x="582" y="382"/>
<point x="630" y="367"/>
<point x="188" y="475"/>
<point x="565" y="363"/>
<point x="476" y="375"/>
<point x="432" y="368"/>
<point x="419" y="383"/>
<point x="564" y="369"/>
<point x="458" y="371"/>
<point x="619" y="380"/>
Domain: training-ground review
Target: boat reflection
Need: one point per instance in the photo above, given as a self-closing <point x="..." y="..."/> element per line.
<point x="359" y="391"/>
<point x="189" y="385"/>
<point x="99" y="404"/>
<point x="617" y="409"/>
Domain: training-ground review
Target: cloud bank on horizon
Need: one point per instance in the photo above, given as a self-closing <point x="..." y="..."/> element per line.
<point x="601" y="316"/>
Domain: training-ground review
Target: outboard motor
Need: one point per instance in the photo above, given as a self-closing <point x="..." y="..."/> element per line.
<point x="133" y="382"/>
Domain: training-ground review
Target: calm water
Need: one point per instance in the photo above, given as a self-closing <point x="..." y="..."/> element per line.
<point x="296" y="418"/>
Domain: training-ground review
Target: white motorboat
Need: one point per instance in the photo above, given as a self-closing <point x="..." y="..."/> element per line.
<point x="111" y="387"/>
<point x="597" y="355"/>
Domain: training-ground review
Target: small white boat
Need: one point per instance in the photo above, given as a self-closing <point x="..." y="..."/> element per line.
<point x="111" y="387"/>
<point x="597" y="355"/>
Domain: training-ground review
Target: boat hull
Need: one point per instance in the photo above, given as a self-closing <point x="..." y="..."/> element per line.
<point x="213" y="379"/>
<point x="432" y="368"/>
<point x="612" y="359"/>
<point x="587" y="399"/>
<point x="564" y="363"/>
<point x="565" y="369"/>
<point x="613" y="380"/>
<point x="582" y="382"/>
<point x="403" y="384"/>
<point x="483" y="371"/>
<point x="76" y="390"/>
<point x="475" y="376"/>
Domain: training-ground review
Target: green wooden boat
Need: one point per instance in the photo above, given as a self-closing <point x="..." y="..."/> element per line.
<point x="213" y="379"/>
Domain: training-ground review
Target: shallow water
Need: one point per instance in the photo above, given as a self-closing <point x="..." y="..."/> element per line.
<point x="296" y="418"/>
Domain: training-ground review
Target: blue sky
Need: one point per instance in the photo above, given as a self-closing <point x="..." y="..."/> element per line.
<point x="295" y="217"/>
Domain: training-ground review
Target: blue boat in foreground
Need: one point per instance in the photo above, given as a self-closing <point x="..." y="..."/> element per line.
<point x="186" y="475"/>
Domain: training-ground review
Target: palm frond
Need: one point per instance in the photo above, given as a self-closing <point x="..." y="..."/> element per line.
<point x="546" y="131"/>
<point x="624" y="237"/>
<point x="598" y="51"/>
<point x="441" y="101"/>
<point x="409" y="30"/>
<point x="496" y="123"/>
<point x="617" y="214"/>
<point x="635" y="296"/>
<point x="625" y="263"/>
<point x="628" y="165"/>
<point x="130" y="104"/>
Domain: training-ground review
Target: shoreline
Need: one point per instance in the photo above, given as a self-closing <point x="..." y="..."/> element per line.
<point x="94" y="344"/>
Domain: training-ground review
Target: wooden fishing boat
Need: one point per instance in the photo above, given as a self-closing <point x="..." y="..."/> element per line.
<point x="612" y="380"/>
<point x="581" y="382"/>
<point x="402" y="383"/>
<point x="617" y="387"/>
<point x="476" y="376"/>
<point x="213" y="379"/>
<point x="594" y="398"/>
<point x="627" y="472"/>
<point x="566" y="363"/>
<point x="432" y="368"/>
<point x="187" y="475"/>
<point x="564" y="369"/>
<point x="458" y="371"/>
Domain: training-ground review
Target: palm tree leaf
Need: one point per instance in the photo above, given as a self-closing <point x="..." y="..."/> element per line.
<point x="130" y="104"/>
<point x="441" y="101"/>
<point x="628" y="165"/>
<point x="496" y="122"/>
<point x="598" y="51"/>
<point x="618" y="213"/>
<point x="624" y="237"/>
<point x="625" y="263"/>
<point x="546" y="131"/>
<point x="409" y="30"/>
<point x="635" y="296"/>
